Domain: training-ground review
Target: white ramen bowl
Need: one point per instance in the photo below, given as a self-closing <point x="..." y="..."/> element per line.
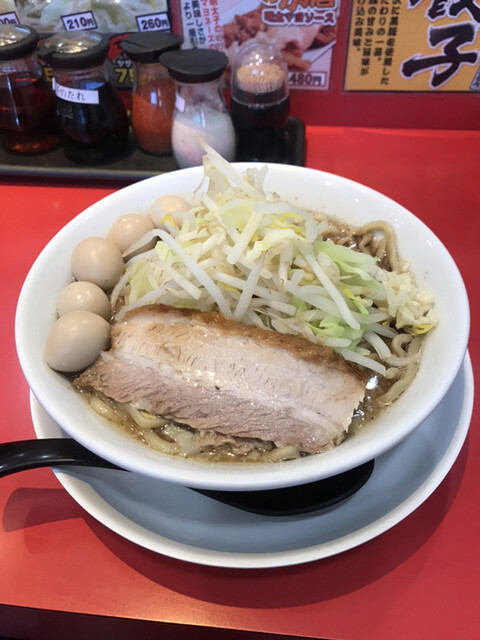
<point x="354" y="203"/>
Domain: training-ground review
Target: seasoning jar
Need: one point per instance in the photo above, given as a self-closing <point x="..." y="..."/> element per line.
<point x="27" y="105"/>
<point x="260" y="101"/>
<point x="200" y="109"/>
<point x="93" y="121"/>
<point x="153" y="94"/>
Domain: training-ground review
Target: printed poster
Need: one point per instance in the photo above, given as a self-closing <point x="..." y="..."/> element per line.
<point x="304" y="31"/>
<point x="413" y="45"/>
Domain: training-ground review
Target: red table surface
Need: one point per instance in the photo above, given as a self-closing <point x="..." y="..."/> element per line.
<point x="417" y="580"/>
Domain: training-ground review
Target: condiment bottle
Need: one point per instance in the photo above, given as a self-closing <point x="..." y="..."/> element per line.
<point x="27" y="105"/>
<point x="260" y="101"/>
<point x="93" y="121"/>
<point x="153" y="94"/>
<point x="200" y="109"/>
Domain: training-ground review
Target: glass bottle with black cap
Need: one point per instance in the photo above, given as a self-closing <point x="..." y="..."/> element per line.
<point x="200" y="110"/>
<point x="93" y="120"/>
<point x="27" y="105"/>
<point x="153" y="93"/>
<point x="260" y="102"/>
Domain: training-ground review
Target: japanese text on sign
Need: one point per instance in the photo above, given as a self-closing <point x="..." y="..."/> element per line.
<point x="8" y="18"/>
<point x="76" y="21"/>
<point x="153" y="22"/>
<point x="299" y="12"/>
<point x="201" y="23"/>
<point x="303" y="30"/>
<point x="416" y="45"/>
<point x="51" y="16"/>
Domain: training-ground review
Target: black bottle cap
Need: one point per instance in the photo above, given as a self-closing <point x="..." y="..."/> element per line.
<point x="17" y="41"/>
<point x="147" y="46"/>
<point x="74" y="50"/>
<point x="194" y="65"/>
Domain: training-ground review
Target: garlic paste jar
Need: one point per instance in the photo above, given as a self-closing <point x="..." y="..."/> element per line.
<point x="200" y="109"/>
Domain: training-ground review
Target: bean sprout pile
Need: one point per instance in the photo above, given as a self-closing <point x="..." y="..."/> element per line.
<point x="260" y="260"/>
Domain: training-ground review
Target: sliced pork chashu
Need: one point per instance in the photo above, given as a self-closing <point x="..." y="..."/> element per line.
<point x="206" y="371"/>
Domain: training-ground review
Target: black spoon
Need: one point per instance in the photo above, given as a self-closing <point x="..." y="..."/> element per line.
<point x="47" y="452"/>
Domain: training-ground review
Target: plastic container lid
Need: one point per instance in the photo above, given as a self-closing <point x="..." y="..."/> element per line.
<point x="74" y="50"/>
<point x="194" y="65"/>
<point x="147" y="46"/>
<point x="17" y="41"/>
<point x="259" y="73"/>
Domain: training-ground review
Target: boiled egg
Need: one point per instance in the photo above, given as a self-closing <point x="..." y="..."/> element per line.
<point x="97" y="260"/>
<point x="168" y="206"/>
<point x="76" y="340"/>
<point x="85" y="296"/>
<point x="128" y="229"/>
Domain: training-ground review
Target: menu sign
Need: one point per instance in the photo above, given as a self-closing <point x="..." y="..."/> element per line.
<point x="108" y="16"/>
<point x="303" y="30"/>
<point x="413" y="45"/>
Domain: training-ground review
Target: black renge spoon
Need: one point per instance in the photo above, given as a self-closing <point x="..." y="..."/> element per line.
<point x="46" y="452"/>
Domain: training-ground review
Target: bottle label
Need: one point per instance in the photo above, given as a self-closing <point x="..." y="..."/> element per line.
<point x="179" y="103"/>
<point x="153" y="22"/>
<point x="85" y="20"/>
<point x="81" y="96"/>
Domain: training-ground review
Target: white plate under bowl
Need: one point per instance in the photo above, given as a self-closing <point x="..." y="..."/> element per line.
<point x="180" y="523"/>
<point x="442" y="355"/>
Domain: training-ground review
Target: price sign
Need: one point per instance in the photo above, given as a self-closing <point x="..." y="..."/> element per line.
<point x="153" y="22"/>
<point x="308" y="80"/>
<point x="8" y="18"/>
<point x="75" y="21"/>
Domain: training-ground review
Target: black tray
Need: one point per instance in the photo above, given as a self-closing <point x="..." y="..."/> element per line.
<point x="133" y="166"/>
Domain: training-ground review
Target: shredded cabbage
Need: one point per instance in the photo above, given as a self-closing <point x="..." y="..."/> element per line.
<point x="259" y="259"/>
